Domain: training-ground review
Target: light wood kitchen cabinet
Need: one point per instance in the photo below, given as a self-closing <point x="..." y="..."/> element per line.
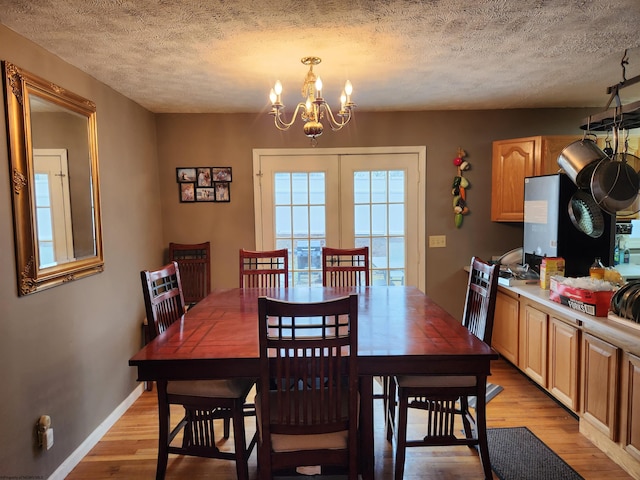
<point x="563" y="362"/>
<point x="532" y="351"/>
<point x="590" y="365"/>
<point x="515" y="159"/>
<point x="506" y="326"/>
<point x="600" y="363"/>
<point x="630" y="405"/>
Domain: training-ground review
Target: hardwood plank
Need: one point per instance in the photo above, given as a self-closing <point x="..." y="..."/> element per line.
<point x="128" y="450"/>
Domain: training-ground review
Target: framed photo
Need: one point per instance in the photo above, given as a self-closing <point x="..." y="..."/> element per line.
<point x="204" y="184"/>
<point x="221" y="174"/>
<point x="222" y="192"/>
<point x="206" y="194"/>
<point x="186" y="175"/>
<point x="187" y="191"/>
<point x="204" y="177"/>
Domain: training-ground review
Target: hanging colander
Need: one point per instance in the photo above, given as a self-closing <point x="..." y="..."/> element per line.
<point x="585" y="214"/>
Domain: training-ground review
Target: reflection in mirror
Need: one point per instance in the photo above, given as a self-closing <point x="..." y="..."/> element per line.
<point x="54" y="164"/>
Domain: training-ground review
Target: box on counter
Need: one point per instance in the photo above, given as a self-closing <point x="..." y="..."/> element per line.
<point x="550" y="266"/>
<point x="586" y="301"/>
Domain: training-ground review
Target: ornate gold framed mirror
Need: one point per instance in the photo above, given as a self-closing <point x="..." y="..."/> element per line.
<point x="53" y="155"/>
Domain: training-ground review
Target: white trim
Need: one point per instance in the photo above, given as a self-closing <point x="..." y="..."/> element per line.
<point x="85" y="447"/>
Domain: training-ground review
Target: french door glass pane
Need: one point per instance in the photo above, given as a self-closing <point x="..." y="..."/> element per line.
<point x="301" y="224"/>
<point x="44" y="221"/>
<point x="379" y="216"/>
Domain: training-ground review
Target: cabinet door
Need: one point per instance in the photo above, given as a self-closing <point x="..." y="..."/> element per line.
<point x="512" y="161"/>
<point x="630" y="405"/>
<point x="599" y="385"/>
<point x="563" y="362"/>
<point x="533" y="343"/>
<point x="505" y="327"/>
<point x="552" y="147"/>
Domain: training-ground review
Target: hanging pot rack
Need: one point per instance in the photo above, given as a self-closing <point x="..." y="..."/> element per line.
<point x="620" y="116"/>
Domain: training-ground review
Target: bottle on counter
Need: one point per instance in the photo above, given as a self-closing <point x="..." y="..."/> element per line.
<point x="616" y="253"/>
<point x="626" y="255"/>
<point x="597" y="269"/>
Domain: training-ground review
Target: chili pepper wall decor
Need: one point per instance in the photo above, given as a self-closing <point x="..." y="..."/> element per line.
<point x="459" y="188"/>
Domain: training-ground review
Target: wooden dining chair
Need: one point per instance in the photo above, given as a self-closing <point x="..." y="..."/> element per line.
<point x="345" y="267"/>
<point x="204" y="401"/>
<point x="445" y="397"/>
<point x="264" y="269"/>
<point x="349" y="267"/>
<point x="307" y="401"/>
<point x="194" y="261"/>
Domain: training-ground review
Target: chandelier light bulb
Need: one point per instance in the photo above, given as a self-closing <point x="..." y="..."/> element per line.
<point x="348" y="88"/>
<point x="319" y="87"/>
<point x="272" y="96"/>
<point x="308" y="105"/>
<point x="343" y="99"/>
<point x="278" y="87"/>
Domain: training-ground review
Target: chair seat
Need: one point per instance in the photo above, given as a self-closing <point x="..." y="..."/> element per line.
<point x="434" y="381"/>
<point x="224" y="388"/>
<point x="293" y="443"/>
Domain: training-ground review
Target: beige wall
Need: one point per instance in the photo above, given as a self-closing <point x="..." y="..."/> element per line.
<point x="228" y="140"/>
<point x="64" y="351"/>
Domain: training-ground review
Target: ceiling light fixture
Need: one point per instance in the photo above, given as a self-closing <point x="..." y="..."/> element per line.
<point x="314" y="107"/>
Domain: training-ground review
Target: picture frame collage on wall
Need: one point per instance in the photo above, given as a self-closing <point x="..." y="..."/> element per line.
<point x="204" y="184"/>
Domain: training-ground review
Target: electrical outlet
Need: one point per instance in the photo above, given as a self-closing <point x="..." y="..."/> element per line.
<point x="45" y="432"/>
<point x="437" y="241"/>
<point x="48" y="439"/>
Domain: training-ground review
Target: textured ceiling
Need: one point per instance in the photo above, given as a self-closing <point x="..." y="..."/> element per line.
<point x="224" y="56"/>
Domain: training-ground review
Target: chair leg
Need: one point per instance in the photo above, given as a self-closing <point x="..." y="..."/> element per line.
<point x="226" y="423"/>
<point x="242" y="460"/>
<point x="264" y="460"/>
<point x="481" y="430"/>
<point x="391" y="408"/>
<point x="401" y="432"/>
<point x="163" y="430"/>
<point x="464" y="409"/>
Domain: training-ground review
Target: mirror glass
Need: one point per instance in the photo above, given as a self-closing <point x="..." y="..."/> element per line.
<point x="54" y="165"/>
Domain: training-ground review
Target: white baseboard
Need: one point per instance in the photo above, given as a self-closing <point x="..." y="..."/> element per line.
<point x="74" y="459"/>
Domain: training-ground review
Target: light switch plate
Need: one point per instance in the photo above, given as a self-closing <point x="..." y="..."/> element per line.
<point x="437" y="241"/>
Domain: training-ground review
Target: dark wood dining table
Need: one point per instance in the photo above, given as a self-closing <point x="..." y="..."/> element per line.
<point x="400" y="331"/>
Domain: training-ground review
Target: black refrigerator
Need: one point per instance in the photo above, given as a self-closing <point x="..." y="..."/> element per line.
<point x="550" y="232"/>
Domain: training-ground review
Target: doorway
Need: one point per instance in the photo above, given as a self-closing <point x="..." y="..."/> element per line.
<point x="344" y="198"/>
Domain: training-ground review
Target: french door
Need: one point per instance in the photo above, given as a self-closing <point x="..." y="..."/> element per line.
<point x="52" y="207"/>
<point x="373" y="197"/>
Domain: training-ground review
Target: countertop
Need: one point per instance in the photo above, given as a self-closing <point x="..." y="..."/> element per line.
<point x="629" y="271"/>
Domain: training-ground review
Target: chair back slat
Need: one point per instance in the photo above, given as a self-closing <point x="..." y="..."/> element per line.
<point x="345" y="267"/>
<point x="480" y="302"/>
<point x="265" y="269"/>
<point x="194" y="261"/>
<point x="163" y="298"/>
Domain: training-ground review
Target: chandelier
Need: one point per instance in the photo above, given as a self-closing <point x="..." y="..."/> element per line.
<point x="314" y="108"/>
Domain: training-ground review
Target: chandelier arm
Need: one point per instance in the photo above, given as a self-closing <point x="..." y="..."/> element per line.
<point x="333" y="123"/>
<point x="281" y="124"/>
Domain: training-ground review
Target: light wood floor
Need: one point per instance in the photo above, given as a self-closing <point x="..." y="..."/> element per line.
<point x="128" y="450"/>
